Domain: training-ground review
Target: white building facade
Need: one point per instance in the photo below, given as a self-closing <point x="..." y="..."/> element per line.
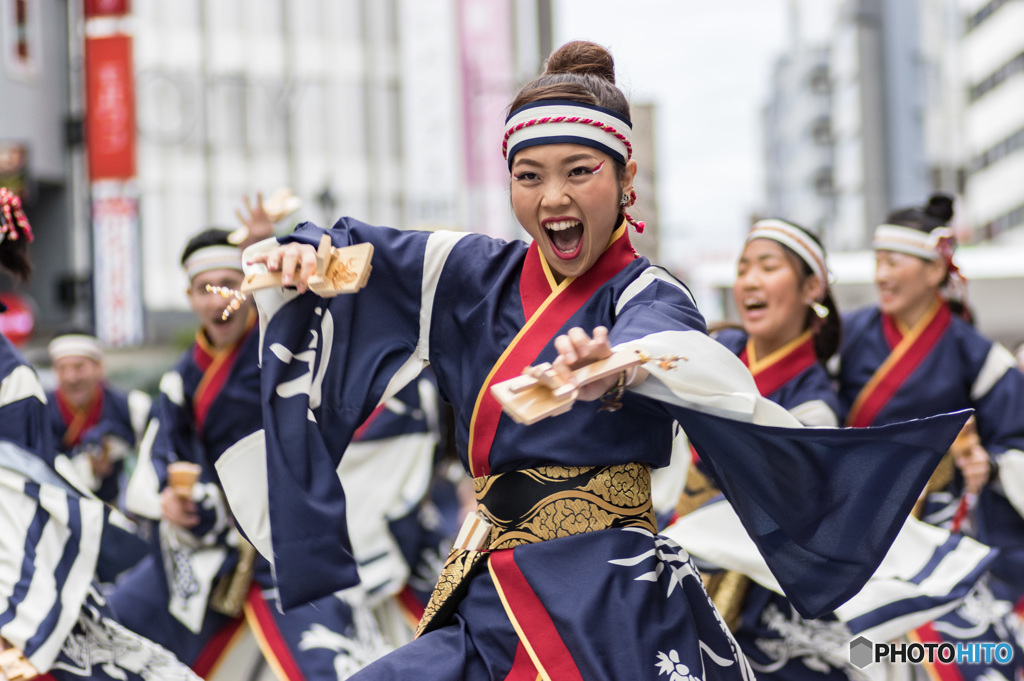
<point x="361" y="107"/>
<point x="797" y="125"/>
<point x="993" y="71"/>
<point x="888" y="129"/>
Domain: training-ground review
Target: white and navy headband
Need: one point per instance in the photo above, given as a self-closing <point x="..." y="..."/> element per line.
<point x="924" y="245"/>
<point x="219" y="257"/>
<point x="570" y="123"/>
<point x="796" y="240"/>
<point x="75" y="345"/>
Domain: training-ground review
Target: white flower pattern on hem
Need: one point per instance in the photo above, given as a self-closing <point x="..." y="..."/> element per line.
<point x="671" y="557"/>
<point x="676" y="670"/>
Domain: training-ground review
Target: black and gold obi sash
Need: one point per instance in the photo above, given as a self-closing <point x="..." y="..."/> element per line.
<point x="534" y="505"/>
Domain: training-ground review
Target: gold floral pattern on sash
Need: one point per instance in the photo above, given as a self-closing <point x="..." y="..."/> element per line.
<point x="539" y="504"/>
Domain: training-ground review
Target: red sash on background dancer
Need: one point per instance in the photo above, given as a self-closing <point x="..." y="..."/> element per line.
<point x="260" y="621"/>
<point x="79" y="420"/>
<point x="783" y="365"/>
<point x="908" y="351"/>
<point x="547" y="307"/>
<point x="216" y="366"/>
<point x="777" y="369"/>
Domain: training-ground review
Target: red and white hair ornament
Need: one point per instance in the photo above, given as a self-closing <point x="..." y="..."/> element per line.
<point x="561" y="121"/>
<point x="924" y="245"/>
<point x="938" y="244"/>
<point x="13" y="223"/>
<point x="557" y="121"/>
<point x="796" y="240"/>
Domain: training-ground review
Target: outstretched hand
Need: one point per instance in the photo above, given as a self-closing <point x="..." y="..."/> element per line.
<point x="256" y="220"/>
<point x="296" y="263"/>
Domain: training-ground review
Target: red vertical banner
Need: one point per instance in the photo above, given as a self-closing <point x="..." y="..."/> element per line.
<point x="106" y="8"/>
<point x="110" y="107"/>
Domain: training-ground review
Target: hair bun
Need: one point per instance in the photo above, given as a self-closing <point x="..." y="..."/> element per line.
<point x="582" y="57"/>
<point x="940" y="206"/>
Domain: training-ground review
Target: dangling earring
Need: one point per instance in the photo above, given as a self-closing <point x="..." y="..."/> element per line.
<point x="624" y="201"/>
<point x="819" y="310"/>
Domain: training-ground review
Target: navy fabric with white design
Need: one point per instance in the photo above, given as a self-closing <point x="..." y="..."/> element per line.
<point x="454" y="301"/>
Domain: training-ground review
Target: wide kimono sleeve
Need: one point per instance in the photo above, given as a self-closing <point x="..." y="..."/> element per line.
<point x="24" y="418"/>
<point x="50" y="544"/>
<point x="823" y="505"/>
<point x="326" y="364"/>
<point x="997" y="393"/>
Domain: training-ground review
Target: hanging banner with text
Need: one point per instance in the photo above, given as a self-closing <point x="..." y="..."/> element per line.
<point x="116" y="280"/>
<point x="110" y="107"/>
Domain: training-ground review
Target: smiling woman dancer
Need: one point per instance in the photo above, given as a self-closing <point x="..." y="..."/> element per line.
<point x="790" y="323"/>
<point x="790" y="329"/>
<point x="914" y="354"/>
<point x="571" y="581"/>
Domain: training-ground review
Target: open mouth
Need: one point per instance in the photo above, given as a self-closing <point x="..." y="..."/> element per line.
<point x="750" y="304"/>
<point x="566" y="237"/>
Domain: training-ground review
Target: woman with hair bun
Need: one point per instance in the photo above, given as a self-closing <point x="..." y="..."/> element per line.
<point x="560" y="573"/>
<point x="790" y="329"/>
<point x="915" y="354"/>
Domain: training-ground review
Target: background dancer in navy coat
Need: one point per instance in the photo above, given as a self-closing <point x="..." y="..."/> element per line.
<point x="790" y="328"/>
<point x="94" y="423"/>
<point x="571" y="582"/>
<point x="914" y="354"/>
<point x="205" y="585"/>
<point x="53" y="616"/>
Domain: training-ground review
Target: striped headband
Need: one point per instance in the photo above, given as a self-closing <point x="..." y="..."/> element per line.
<point x="577" y="123"/>
<point x="796" y="240"/>
<point x="924" y="245"/>
<point x="219" y="257"/>
<point x="75" y="345"/>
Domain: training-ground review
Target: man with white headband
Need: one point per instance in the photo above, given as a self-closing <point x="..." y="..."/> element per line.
<point x="206" y="596"/>
<point x="94" y="423"/>
<point x="915" y="354"/>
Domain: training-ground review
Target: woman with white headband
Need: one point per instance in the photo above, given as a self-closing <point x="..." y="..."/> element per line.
<point x="560" y="574"/>
<point x="790" y="324"/>
<point x="789" y="329"/>
<point x="913" y="355"/>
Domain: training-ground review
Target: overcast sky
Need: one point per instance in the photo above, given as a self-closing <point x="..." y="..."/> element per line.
<point x="707" y="67"/>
